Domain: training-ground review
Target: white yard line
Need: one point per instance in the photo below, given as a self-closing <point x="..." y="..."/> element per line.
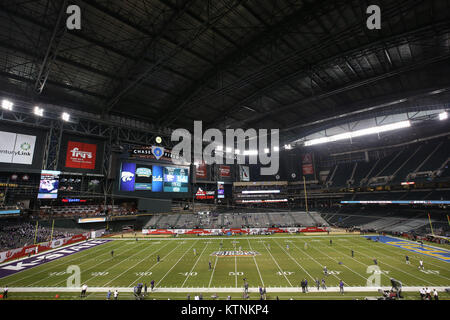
<point x="256" y="264"/>
<point x="134" y="281"/>
<point x="139" y="261"/>
<point x="235" y="266"/>
<point x="80" y="264"/>
<point x="62" y="261"/>
<point x="192" y="269"/>
<point x="278" y="266"/>
<point x="409" y="274"/>
<point x="292" y="258"/>
<point x="416" y="254"/>
<point x="210" y="280"/>
<point x="175" y="264"/>
<point x="336" y="261"/>
<point x="114" y="265"/>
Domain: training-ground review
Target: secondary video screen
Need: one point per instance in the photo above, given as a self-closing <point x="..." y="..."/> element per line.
<point x="154" y="178"/>
<point x="48" y="185"/>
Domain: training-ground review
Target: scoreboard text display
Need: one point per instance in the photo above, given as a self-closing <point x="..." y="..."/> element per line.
<point x="153" y="178"/>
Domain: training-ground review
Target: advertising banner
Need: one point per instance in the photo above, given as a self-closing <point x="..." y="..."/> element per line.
<point x="127" y="176"/>
<point x="225" y="171"/>
<point x="201" y="171"/>
<point x="81" y="155"/>
<point x="245" y="173"/>
<point x="232" y="230"/>
<point x="24" y="251"/>
<point x="16" y="148"/>
<point x="307" y="164"/>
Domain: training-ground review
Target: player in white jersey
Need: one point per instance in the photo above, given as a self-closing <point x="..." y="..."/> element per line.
<point x="421" y="265"/>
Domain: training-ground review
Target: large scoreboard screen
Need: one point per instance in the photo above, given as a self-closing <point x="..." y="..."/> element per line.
<point x="153" y="178"/>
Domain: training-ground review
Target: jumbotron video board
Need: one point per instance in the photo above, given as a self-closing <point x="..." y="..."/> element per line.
<point x="149" y="179"/>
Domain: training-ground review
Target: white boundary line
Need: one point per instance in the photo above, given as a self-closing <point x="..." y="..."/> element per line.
<point x="213" y="290"/>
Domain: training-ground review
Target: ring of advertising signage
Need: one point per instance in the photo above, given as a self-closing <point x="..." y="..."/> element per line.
<point x="154" y="178"/>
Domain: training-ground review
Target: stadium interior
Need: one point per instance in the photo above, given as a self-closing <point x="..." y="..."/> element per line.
<point x="353" y="116"/>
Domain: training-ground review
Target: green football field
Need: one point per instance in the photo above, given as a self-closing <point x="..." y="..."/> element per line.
<point x="278" y="263"/>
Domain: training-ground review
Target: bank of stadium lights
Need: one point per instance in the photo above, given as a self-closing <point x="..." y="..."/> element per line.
<point x="443" y="115"/>
<point x="360" y="133"/>
<point x="287" y="147"/>
<point x="7" y="105"/>
<point x="250" y="152"/>
<point x="65" y="116"/>
<point x="38" y="111"/>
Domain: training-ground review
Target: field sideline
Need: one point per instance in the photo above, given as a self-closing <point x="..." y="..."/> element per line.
<point x="280" y="263"/>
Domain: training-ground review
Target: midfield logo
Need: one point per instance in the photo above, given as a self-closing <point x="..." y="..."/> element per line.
<point x="235" y="253"/>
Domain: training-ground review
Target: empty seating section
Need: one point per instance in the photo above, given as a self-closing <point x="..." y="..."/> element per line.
<point x="343" y="173"/>
<point x="235" y="220"/>
<point x="361" y="171"/>
<point x="385" y="219"/>
<point x="88" y="210"/>
<point x="382" y="164"/>
<point x="397" y="162"/>
<point x="423" y="157"/>
<point x="410" y="166"/>
<point x="438" y="158"/>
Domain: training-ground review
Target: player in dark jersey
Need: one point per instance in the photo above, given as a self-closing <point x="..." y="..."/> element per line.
<point x="152" y="285"/>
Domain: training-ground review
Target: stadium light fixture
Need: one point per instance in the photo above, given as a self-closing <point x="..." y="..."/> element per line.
<point x="443" y="115"/>
<point x="360" y="133"/>
<point x="65" y="116"/>
<point x="7" y="105"/>
<point x="38" y="111"/>
<point x="287" y="147"/>
<point x="250" y="152"/>
<point x="266" y="150"/>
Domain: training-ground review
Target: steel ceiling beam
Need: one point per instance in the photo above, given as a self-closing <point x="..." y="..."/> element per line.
<point x="370" y="48"/>
<point x="51" y="53"/>
<point x="270" y="34"/>
<point x="143" y="74"/>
